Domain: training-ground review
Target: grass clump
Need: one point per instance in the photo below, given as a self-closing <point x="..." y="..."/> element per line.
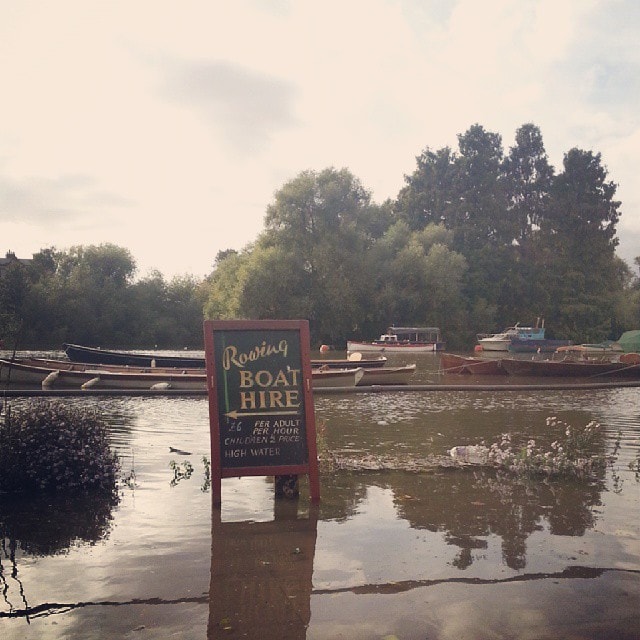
<point x="48" y="446"/>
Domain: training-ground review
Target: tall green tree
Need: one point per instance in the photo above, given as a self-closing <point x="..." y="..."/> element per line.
<point x="430" y="192"/>
<point x="479" y="214"/>
<point x="417" y="280"/>
<point x="528" y="179"/>
<point x="319" y="224"/>
<point x="579" y="234"/>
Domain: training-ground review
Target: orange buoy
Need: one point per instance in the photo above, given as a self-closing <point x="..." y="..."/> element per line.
<point x="477" y="348"/>
<point x="324" y="348"/>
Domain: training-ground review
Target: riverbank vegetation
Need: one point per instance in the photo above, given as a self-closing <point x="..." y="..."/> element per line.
<point x="54" y="447"/>
<point x="476" y="239"/>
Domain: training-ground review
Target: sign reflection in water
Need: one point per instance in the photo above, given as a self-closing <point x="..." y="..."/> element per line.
<point x="428" y="553"/>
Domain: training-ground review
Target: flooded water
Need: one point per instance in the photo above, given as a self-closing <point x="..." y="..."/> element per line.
<point x="398" y="548"/>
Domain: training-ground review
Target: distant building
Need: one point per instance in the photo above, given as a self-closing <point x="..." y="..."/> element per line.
<point x="10" y="259"/>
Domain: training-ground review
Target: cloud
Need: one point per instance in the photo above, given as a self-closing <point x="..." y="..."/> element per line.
<point x="44" y="200"/>
<point x="246" y="107"/>
<point x="202" y="113"/>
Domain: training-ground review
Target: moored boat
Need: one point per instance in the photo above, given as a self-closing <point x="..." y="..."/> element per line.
<point x="402" y="340"/>
<point x="502" y="340"/>
<point x="336" y="378"/>
<point x="387" y="375"/>
<point x="68" y="365"/>
<point x="595" y="349"/>
<point x="94" y="355"/>
<point x="354" y="361"/>
<point x="78" y="375"/>
<point x="521" y="340"/>
<point x="544" y="345"/>
<point x="17" y="372"/>
<point x="572" y="368"/>
<point x="453" y="363"/>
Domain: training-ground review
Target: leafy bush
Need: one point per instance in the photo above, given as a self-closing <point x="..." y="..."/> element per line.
<point x="47" y="446"/>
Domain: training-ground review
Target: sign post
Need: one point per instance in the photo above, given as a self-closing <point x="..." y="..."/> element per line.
<point x="261" y="410"/>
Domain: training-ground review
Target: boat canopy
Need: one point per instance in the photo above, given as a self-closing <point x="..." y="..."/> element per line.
<point x="416" y="334"/>
<point x="630" y="341"/>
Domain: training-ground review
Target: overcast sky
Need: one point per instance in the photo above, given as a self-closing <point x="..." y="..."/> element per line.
<point x="167" y="127"/>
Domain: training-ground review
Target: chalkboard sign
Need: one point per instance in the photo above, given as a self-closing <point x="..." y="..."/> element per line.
<point x="260" y="400"/>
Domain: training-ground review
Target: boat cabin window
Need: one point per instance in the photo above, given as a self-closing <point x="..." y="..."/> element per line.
<point x="415" y="334"/>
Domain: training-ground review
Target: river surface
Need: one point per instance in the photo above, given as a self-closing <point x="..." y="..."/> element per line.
<point x="397" y="548"/>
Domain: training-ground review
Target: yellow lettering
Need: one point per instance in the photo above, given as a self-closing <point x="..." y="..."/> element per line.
<point x="247" y="400"/>
<point x="264" y="378"/>
<point x="246" y="378"/>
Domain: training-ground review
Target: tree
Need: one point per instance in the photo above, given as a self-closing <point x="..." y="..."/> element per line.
<point x="417" y="280"/>
<point x="320" y="225"/>
<point x="223" y="290"/>
<point x="528" y="180"/>
<point x="579" y="235"/>
<point x="583" y="213"/>
<point x="478" y="215"/>
<point x="430" y="191"/>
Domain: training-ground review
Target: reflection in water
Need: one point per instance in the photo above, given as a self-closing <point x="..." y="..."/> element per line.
<point x="43" y="526"/>
<point x="46" y="525"/>
<point x="468" y="506"/>
<point x="439" y="554"/>
<point x="261" y="575"/>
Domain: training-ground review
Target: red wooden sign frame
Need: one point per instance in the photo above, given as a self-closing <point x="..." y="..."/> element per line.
<point x="217" y="334"/>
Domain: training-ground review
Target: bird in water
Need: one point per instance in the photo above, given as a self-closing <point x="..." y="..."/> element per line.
<point x="180" y="452"/>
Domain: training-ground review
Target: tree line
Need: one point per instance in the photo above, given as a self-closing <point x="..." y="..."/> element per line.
<point x="476" y="239"/>
<point x="88" y="295"/>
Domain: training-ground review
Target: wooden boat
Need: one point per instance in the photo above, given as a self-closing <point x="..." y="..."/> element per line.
<point x="334" y="378"/>
<point x="586" y="350"/>
<point x="545" y="345"/>
<point x="91" y="355"/>
<point x="78" y="375"/>
<point x="67" y="365"/>
<point x="571" y="368"/>
<point x="387" y="375"/>
<point x="354" y="361"/>
<point x="17" y="372"/>
<point x="452" y="363"/>
<point x="402" y="340"/>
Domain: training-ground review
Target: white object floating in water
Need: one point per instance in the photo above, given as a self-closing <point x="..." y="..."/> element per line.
<point x="51" y="378"/>
<point x="471" y="454"/>
<point x="91" y="383"/>
<point x="161" y="385"/>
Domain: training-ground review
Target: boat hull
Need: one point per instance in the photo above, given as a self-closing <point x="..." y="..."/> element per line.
<point x="91" y="376"/>
<point x="546" y="345"/>
<point x="570" y="368"/>
<point x="91" y="355"/>
<point x="387" y="375"/>
<point x="452" y="363"/>
<point x="489" y="344"/>
<point x="336" y="378"/>
<point x="401" y="347"/>
<point x="346" y="363"/>
<point x="76" y="375"/>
